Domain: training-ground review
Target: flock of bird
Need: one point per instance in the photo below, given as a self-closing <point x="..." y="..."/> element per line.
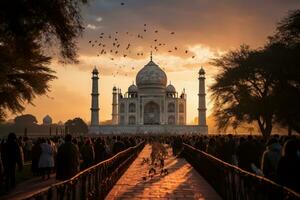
<point x="123" y="44"/>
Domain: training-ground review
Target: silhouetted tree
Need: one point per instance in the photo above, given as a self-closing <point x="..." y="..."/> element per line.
<point x="76" y="126"/>
<point x="243" y="91"/>
<point x="261" y="85"/>
<point x="26" y="29"/>
<point x="25" y="120"/>
<point x="283" y="51"/>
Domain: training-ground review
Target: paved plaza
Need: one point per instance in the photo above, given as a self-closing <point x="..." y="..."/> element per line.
<point x="181" y="182"/>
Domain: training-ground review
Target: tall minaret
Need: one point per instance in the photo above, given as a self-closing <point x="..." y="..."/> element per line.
<point x="201" y="99"/>
<point x="95" y="99"/>
<point x="114" y="106"/>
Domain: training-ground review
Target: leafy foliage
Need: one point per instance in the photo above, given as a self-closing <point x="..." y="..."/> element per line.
<point x="25" y="120"/>
<point x="76" y="126"/>
<point x="261" y="85"/>
<point x="27" y="28"/>
<point x="243" y="91"/>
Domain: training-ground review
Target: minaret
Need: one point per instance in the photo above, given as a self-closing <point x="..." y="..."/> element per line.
<point x="201" y="99"/>
<point x="95" y="99"/>
<point x="114" y="106"/>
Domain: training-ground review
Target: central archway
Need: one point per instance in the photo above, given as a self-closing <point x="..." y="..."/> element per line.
<point x="151" y="113"/>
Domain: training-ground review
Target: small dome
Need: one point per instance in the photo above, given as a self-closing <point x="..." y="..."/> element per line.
<point x="132" y="89"/>
<point x="151" y="76"/>
<point x="95" y="70"/>
<point x="171" y="89"/>
<point x="114" y="88"/>
<point x="47" y="120"/>
<point x="201" y="71"/>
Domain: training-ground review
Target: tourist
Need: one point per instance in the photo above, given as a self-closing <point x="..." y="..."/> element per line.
<point x="27" y="148"/>
<point x="288" y="171"/>
<point x="35" y="157"/>
<point x="11" y="156"/>
<point x="46" y="161"/>
<point x="177" y="145"/>
<point x="67" y="160"/>
<point x="228" y="149"/>
<point x="87" y="154"/>
<point x="211" y="146"/>
<point x="270" y="159"/>
<point x="118" y="145"/>
<point x="100" y="151"/>
<point x="245" y="153"/>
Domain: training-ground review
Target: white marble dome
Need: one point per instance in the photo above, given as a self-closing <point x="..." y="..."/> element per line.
<point x="47" y="120"/>
<point x="151" y="75"/>
<point x="132" y="89"/>
<point x="171" y="89"/>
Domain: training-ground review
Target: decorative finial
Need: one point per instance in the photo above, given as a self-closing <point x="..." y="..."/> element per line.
<point x="151" y="56"/>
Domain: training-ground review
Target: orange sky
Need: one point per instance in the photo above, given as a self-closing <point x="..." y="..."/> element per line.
<point x="205" y="28"/>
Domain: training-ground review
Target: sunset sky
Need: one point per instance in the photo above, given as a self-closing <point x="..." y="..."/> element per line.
<point x="206" y="28"/>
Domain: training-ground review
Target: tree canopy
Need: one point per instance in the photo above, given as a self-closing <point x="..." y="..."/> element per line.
<point x="27" y="30"/>
<point x="76" y="126"/>
<point x="25" y="120"/>
<point x="261" y="85"/>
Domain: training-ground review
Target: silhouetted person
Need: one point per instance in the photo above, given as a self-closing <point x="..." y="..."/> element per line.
<point x="46" y="162"/>
<point x="35" y="157"/>
<point x="288" y="171"/>
<point x="118" y="146"/>
<point x="177" y="145"/>
<point x="87" y="154"/>
<point x="211" y="147"/>
<point x="270" y="159"/>
<point x="228" y="149"/>
<point x="11" y="156"/>
<point x="246" y="153"/>
<point x="100" y="151"/>
<point x="67" y="160"/>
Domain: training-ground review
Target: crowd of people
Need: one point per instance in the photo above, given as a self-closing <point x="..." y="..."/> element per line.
<point x="65" y="156"/>
<point x="276" y="158"/>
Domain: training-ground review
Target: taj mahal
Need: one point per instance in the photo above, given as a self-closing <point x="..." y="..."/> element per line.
<point x="151" y="106"/>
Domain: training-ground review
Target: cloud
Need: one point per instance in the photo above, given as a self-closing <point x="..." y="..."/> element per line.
<point x="99" y="19"/>
<point x="91" y="26"/>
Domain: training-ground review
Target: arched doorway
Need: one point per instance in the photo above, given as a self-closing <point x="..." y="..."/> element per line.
<point x="151" y="113"/>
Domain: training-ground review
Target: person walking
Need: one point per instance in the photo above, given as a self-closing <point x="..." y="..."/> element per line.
<point x="11" y="157"/>
<point x="67" y="159"/>
<point x="288" y="167"/>
<point x="46" y="161"/>
<point x="87" y="154"/>
<point x="270" y="159"/>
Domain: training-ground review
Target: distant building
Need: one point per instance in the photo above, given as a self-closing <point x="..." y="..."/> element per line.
<point x="47" y="120"/>
<point x="150" y="106"/>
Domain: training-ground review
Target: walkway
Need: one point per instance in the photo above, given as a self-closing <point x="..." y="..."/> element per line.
<point x="28" y="187"/>
<point x="182" y="181"/>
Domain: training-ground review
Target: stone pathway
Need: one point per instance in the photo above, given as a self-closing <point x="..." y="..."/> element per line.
<point x="28" y="187"/>
<point x="182" y="182"/>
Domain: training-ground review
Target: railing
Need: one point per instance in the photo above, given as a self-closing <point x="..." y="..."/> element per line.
<point x="92" y="183"/>
<point x="232" y="182"/>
